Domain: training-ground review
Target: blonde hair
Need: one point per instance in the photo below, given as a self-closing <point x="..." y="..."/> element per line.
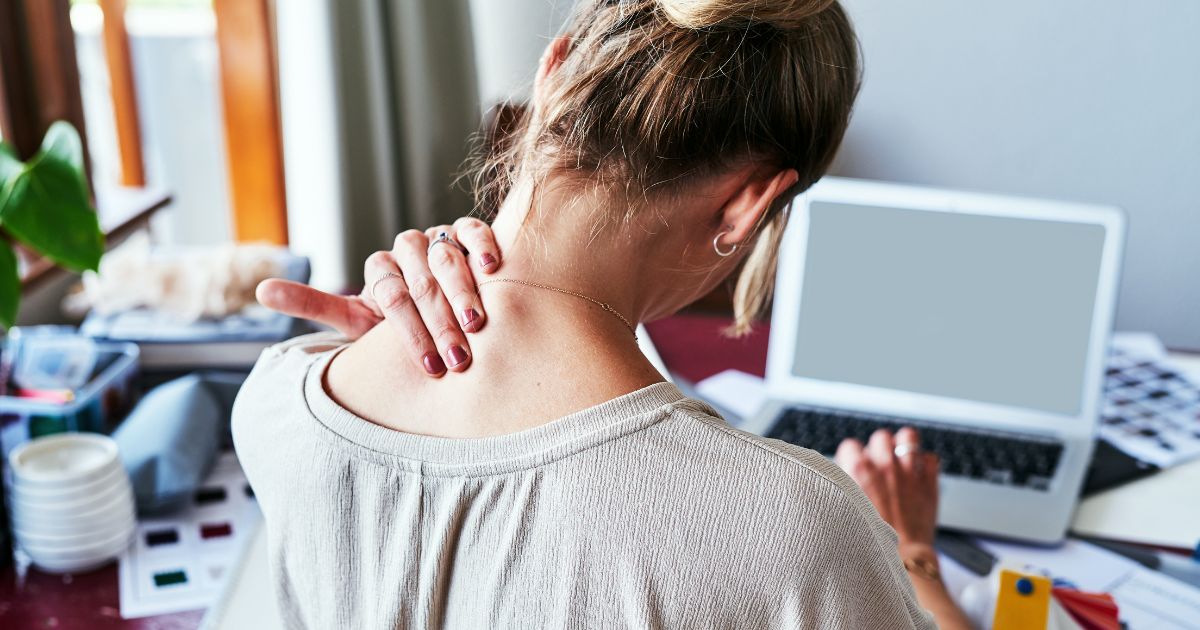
<point x="654" y="93"/>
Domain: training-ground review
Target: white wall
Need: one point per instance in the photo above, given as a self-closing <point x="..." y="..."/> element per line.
<point x="510" y="36"/>
<point x="1077" y="100"/>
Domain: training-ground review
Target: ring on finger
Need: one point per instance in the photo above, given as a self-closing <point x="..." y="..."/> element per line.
<point x="906" y="448"/>
<point x="385" y="276"/>
<point x="444" y="238"/>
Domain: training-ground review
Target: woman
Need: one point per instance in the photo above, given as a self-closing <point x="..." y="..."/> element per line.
<point x="559" y="482"/>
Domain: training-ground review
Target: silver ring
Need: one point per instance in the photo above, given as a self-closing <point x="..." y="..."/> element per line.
<point x="906" y="448"/>
<point x="390" y="274"/>
<point x="444" y="237"/>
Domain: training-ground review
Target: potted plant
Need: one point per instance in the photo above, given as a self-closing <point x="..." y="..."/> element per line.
<point x="46" y="207"/>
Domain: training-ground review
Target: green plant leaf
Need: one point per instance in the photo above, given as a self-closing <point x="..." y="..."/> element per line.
<point x="10" y="286"/>
<point x="46" y="205"/>
<point x="10" y="167"/>
<point x="62" y="141"/>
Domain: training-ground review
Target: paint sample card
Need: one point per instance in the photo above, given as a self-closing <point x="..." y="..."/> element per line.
<point x="180" y="561"/>
<point x="1151" y="411"/>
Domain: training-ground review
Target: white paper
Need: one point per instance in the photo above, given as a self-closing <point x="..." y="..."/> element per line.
<point x="737" y="392"/>
<point x="204" y="561"/>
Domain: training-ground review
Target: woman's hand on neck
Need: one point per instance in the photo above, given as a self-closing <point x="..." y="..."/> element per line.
<point x="542" y="356"/>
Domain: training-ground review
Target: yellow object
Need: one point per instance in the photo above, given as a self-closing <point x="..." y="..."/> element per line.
<point x="1023" y="602"/>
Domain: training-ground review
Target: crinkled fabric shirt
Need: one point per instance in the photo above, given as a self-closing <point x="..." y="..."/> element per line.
<point x="647" y="511"/>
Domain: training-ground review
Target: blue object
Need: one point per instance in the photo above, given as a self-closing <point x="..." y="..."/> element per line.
<point x="1024" y="586"/>
<point x="170" y="440"/>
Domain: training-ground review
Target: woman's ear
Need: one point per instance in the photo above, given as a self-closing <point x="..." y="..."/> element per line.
<point x="744" y="209"/>
<point x="551" y="59"/>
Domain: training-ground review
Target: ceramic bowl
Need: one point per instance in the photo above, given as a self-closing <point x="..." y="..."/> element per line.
<point x="91" y="536"/>
<point x="73" y="492"/>
<point x="63" y="460"/>
<point x="78" y="558"/>
<point x="116" y="495"/>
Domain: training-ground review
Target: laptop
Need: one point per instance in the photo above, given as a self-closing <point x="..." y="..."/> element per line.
<point x="981" y="320"/>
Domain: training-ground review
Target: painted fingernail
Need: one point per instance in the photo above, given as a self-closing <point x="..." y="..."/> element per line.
<point x="458" y="356"/>
<point x="486" y="260"/>
<point x="433" y="363"/>
<point x="469" y="318"/>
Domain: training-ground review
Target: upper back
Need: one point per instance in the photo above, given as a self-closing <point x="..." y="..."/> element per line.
<point x="644" y="511"/>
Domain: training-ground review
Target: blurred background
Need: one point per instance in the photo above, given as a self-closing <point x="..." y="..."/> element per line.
<point x="332" y="125"/>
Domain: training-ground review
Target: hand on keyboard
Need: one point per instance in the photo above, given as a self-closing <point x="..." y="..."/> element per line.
<point x="899" y="479"/>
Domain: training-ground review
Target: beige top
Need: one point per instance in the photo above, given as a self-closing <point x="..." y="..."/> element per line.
<point x="646" y="511"/>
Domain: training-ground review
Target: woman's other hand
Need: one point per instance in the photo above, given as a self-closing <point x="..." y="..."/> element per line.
<point x="899" y="479"/>
<point x="427" y="293"/>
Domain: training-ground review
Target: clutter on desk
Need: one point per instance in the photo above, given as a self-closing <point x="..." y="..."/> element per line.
<point x="180" y="562"/>
<point x="1027" y="601"/>
<point x="71" y="502"/>
<point x="1083" y="578"/>
<point x="54" y="381"/>
<point x="190" y="309"/>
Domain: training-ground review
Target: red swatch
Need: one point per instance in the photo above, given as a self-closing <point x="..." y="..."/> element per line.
<point x="215" y="530"/>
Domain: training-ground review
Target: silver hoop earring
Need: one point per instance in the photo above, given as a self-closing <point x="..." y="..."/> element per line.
<point x="717" y="246"/>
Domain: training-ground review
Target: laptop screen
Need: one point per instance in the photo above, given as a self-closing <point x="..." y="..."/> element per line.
<point x="980" y="308"/>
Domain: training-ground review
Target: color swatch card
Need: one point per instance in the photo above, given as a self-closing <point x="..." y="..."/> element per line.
<point x="1151" y="411"/>
<point x="179" y="562"/>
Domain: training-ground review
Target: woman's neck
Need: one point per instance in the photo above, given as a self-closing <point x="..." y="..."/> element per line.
<point x="542" y="354"/>
<point x="553" y="240"/>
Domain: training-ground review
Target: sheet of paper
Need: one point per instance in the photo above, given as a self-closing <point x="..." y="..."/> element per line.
<point x="734" y="391"/>
<point x="179" y="562"/>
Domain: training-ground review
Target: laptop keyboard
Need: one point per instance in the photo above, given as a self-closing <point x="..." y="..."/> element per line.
<point x="986" y="456"/>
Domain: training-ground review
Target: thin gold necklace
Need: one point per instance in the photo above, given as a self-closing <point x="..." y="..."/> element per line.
<point x="604" y="305"/>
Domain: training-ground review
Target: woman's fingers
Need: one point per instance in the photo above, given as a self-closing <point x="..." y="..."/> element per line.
<point x="347" y="315"/>
<point x="909" y="444"/>
<point x="450" y="267"/>
<point x="881" y="448"/>
<point x="480" y="242"/>
<point x="390" y="293"/>
<point x="849" y="453"/>
<point x="425" y="293"/>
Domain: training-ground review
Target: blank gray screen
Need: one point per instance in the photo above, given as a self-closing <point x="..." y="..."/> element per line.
<point x="989" y="309"/>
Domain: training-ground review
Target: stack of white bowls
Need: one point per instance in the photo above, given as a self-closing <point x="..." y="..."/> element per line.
<point x="71" y="502"/>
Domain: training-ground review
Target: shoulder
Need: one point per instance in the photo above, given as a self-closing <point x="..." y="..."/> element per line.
<point x="273" y="395"/>
<point x="287" y="362"/>
<point x="793" y="470"/>
<point x="817" y="519"/>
